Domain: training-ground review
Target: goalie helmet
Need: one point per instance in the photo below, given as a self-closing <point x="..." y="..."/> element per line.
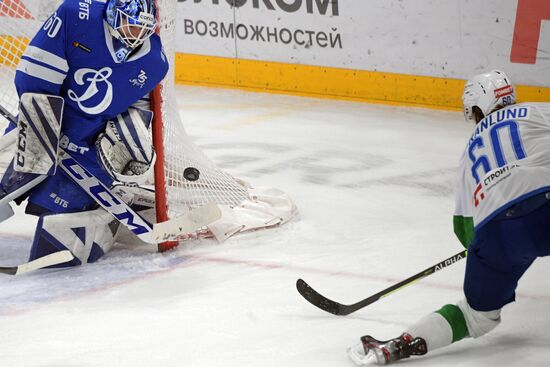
<point x="489" y="92"/>
<point x="131" y="21"/>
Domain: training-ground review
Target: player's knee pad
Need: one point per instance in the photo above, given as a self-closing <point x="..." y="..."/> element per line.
<point x="479" y="322"/>
<point x="125" y="148"/>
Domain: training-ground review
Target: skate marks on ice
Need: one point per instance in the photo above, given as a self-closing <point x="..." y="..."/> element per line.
<point x="120" y="266"/>
<point x="123" y="266"/>
<point x="332" y="167"/>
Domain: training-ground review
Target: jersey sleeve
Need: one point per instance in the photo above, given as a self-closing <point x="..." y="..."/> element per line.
<point x="544" y="109"/>
<point x="463" y="219"/>
<point x="43" y="67"/>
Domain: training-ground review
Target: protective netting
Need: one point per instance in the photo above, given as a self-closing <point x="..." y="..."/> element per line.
<point x="244" y="208"/>
<point x="213" y="184"/>
<point x="19" y="21"/>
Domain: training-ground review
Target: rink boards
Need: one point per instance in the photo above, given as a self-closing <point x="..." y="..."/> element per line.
<point x="413" y="53"/>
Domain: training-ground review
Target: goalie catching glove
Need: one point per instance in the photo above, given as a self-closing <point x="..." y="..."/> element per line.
<point x="125" y="148"/>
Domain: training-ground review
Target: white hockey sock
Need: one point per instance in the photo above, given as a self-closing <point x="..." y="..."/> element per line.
<point x="434" y="329"/>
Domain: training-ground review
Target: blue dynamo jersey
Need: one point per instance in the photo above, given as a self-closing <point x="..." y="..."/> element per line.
<point x="73" y="56"/>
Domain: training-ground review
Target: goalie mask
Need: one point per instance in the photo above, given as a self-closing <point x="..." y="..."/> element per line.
<point x="131" y="22"/>
<point x="489" y="92"/>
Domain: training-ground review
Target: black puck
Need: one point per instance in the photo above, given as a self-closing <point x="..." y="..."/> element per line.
<point x="191" y="174"/>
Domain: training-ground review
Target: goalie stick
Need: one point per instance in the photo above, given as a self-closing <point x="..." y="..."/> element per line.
<point x="170" y="230"/>
<point x="335" y="308"/>
<point x="59" y="257"/>
<point x="183" y="224"/>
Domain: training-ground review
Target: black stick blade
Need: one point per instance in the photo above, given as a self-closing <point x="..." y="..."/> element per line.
<point x="316" y="299"/>
<point x="335" y="308"/>
<point x="10" y="270"/>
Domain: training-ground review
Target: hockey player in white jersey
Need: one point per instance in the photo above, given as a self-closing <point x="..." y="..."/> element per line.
<point x="502" y="216"/>
<point x="82" y="82"/>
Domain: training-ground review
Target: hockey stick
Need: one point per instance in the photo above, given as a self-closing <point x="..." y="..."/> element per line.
<point x="166" y="230"/>
<point x="335" y="308"/>
<point x="55" y="258"/>
<point x="170" y="230"/>
<point x="155" y="233"/>
<point x="161" y="231"/>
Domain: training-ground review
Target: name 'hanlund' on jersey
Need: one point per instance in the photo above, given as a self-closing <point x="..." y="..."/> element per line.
<point x="499" y="116"/>
<point x="506" y="160"/>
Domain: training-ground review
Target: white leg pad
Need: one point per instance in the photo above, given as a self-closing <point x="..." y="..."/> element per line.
<point x="88" y="235"/>
<point x="7" y="143"/>
<point x="39" y="129"/>
<point x="7" y="146"/>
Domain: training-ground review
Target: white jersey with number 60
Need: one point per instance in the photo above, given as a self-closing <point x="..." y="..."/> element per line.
<point x="506" y="160"/>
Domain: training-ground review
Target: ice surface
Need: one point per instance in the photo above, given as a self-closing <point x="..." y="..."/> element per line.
<point x="374" y="187"/>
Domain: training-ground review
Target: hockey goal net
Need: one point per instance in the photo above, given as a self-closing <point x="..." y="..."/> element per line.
<point x="244" y="207"/>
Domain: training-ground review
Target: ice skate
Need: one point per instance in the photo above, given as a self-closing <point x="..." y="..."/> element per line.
<point x="375" y="352"/>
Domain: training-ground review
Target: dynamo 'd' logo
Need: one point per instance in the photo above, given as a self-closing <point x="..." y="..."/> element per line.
<point x="86" y="75"/>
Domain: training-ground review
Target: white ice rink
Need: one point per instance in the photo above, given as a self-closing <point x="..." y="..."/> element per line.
<point x="373" y="184"/>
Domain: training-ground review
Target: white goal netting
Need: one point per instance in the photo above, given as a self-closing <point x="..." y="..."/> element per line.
<point x="243" y="207"/>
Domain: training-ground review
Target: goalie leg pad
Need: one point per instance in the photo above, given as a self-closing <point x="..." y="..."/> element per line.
<point x="16" y="185"/>
<point x="88" y="235"/>
<point x="35" y="142"/>
<point x="39" y="128"/>
<point x="13" y="185"/>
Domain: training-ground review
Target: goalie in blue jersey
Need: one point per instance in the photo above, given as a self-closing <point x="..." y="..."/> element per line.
<point x="83" y="83"/>
<point x="502" y="216"/>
